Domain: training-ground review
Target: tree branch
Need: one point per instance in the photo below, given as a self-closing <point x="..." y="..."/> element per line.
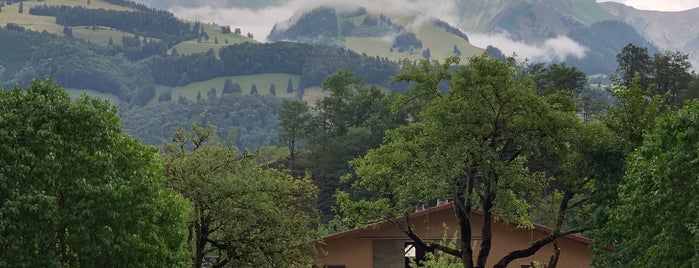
<point x="533" y="248"/>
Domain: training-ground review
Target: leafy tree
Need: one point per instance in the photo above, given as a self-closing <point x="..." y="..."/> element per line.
<point x="244" y="214"/>
<point x="634" y="60"/>
<point x="348" y="121"/>
<point x="495" y="53"/>
<point x="557" y="77"/>
<point x="471" y="144"/>
<point x="75" y="192"/>
<point x="294" y="117"/>
<point x="655" y="215"/>
<point x="632" y="115"/>
<point x="671" y="75"/>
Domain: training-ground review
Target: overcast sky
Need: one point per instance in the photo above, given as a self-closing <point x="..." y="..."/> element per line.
<point x="663" y="5"/>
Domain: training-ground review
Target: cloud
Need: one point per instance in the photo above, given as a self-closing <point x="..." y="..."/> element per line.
<point x="669" y="5"/>
<point x="553" y="49"/>
<point x="259" y="22"/>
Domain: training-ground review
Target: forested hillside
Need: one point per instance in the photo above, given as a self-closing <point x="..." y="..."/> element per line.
<point x="145" y="57"/>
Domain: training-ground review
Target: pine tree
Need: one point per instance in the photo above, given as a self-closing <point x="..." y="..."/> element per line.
<point x="289" y="86"/>
<point x="21" y="7"/>
<point x="253" y="89"/>
<point x="227" y="86"/>
<point x="273" y="90"/>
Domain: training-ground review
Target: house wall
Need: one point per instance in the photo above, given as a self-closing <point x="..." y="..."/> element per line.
<point x="378" y="246"/>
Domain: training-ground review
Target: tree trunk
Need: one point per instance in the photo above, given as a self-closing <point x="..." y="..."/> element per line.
<point x="202" y="229"/>
<point x="553" y="262"/>
<point x="462" y="209"/>
<point x="486" y="237"/>
<point x="62" y="232"/>
<point x="538" y="244"/>
<point x="487" y="229"/>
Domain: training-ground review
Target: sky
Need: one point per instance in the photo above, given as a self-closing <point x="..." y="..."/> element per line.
<point x="662" y="5"/>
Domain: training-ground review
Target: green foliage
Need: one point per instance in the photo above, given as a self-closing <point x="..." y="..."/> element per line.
<point x="294" y="118"/>
<point x="634" y="61"/>
<point x="75" y="192"/>
<point x="671" y="76"/>
<point x="244" y="214"/>
<point x="251" y="120"/>
<point x="656" y="213"/>
<point x="470" y="145"/>
<point x="557" y="77"/>
<point x="346" y="123"/>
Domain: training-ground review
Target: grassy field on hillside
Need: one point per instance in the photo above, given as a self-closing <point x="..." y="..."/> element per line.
<point x="76" y="93"/>
<point x="101" y="34"/>
<point x="440" y="42"/>
<point x="261" y="81"/>
<point x="215" y="34"/>
<point x="10" y="13"/>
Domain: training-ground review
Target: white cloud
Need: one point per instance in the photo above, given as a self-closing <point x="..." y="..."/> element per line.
<point x="662" y="5"/>
<point x="553" y="49"/>
<point x="260" y="22"/>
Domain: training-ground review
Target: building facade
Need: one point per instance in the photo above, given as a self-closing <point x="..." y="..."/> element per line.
<point x="384" y="245"/>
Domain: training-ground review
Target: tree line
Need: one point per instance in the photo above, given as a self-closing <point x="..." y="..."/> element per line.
<point x="146" y="22"/>
<point x="122" y="71"/>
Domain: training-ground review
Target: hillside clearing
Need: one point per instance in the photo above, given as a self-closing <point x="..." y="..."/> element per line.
<point x="261" y="81"/>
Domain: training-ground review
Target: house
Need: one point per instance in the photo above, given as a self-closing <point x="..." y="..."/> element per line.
<point x="384" y="245"/>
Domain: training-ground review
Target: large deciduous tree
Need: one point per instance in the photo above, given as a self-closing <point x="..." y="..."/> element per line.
<point x="634" y="61"/>
<point x="656" y="216"/>
<point x="243" y="214"/>
<point x="472" y="145"/>
<point x="75" y="192"/>
<point x="671" y="76"/>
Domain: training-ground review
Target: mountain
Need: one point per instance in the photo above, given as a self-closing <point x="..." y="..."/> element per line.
<point x="529" y="20"/>
<point x="253" y="4"/>
<point x="603" y="41"/>
<point x="371" y="32"/>
<point x="667" y="30"/>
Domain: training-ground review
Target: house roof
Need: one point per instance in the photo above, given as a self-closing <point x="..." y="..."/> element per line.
<point x="439" y="208"/>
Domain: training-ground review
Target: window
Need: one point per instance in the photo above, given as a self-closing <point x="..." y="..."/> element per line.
<point x="414" y="254"/>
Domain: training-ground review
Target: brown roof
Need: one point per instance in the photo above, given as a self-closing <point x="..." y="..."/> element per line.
<point x="439" y="208"/>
